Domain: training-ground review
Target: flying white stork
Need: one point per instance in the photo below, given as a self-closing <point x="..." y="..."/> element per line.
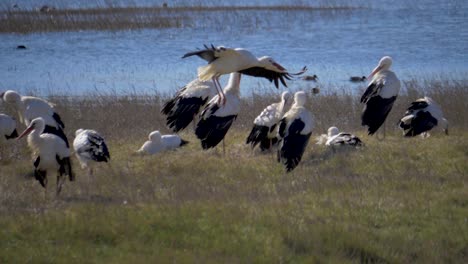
<point x="52" y="154"/>
<point x="380" y="95"/>
<point x="30" y="107"/>
<point x="222" y="60"/>
<point x="158" y="143"/>
<point x="264" y="130"/>
<point x="7" y="128"/>
<point x="423" y="115"/>
<point x="187" y="103"/>
<point x="294" y="132"/>
<point x="336" y="138"/>
<point x="216" y="118"/>
<point x="89" y="147"/>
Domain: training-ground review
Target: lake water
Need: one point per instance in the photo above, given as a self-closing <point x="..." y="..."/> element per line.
<point x="427" y="39"/>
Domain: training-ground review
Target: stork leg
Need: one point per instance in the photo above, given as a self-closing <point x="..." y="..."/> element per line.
<point x="221" y="95"/>
<point x="224" y="149"/>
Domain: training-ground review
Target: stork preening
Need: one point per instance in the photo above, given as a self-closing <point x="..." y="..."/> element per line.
<point x="7" y="128"/>
<point x="335" y="138"/>
<point x="158" y="143"/>
<point x="52" y="154"/>
<point x="379" y="96"/>
<point x="294" y="132"/>
<point x="222" y="60"/>
<point x="422" y="115"/>
<point x="30" y="107"/>
<point x="90" y="147"/>
<point x="187" y="103"/>
<point x="264" y="131"/>
<point x="217" y="118"/>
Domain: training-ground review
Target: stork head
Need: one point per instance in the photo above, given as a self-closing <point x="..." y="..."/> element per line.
<point x="384" y="64"/>
<point x="10" y="96"/>
<point x="444" y="124"/>
<point x="36" y="124"/>
<point x="286" y="96"/>
<point x="78" y="131"/>
<point x="300" y="98"/>
<point x="270" y="64"/>
<point x="155" y="136"/>
<point x="333" y="131"/>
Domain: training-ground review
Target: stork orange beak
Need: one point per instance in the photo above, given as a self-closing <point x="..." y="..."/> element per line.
<point x="28" y="130"/>
<point x="377" y="69"/>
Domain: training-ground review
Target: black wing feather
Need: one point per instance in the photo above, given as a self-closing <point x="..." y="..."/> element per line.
<point x="375" y="112"/>
<point x="270" y="75"/>
<point x="213" y="129"/>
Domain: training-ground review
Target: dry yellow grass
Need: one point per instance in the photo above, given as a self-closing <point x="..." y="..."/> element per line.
<point x="394" y="201"/>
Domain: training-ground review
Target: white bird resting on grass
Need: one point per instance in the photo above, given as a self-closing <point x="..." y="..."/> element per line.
<point x="187" y="103"/>
<point x="264" y="131"/>
<point x="222" y="60"/>
<point x="90" y="147"/>
<point x="336" y="138"/>
<point x="216" y="118"/>
<point x="30" y="107"/>
<point x="7" y="128"/>
<point x="158" y="143"/>
<point x="379" y="96"/>
<point x="422" y="115"/>
<point x="52" y="154"/>
<point x="295" y="129"/>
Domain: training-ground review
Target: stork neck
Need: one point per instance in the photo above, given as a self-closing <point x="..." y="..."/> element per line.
<point x="233" y="84"/>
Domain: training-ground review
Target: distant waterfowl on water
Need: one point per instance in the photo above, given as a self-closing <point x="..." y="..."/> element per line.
<point x="336" y="138"/>
<point x="21" y="47"/>
<point x="264" y="131"/>
<point x="310" y="78"/>
<point x="51" y="152"/>
<point x="187" y="103"/>
<point x="159" y="143"/>
<point x="90" y="147"/>
<point x="422" y="115"/>
<point x="379" y="96"/>
<point x="295" y="129"/>
<point x="216" y="118"/>
<point x="222" y="60"/>
<point x="30" y="107"/>
<point x="7" y="128"/>
<point x="358" y="79"/>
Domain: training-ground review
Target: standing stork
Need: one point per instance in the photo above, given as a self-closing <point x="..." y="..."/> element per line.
<point x="335" y="138"/>
<point x="380" y="95"/>
<point x="264" y="130"/>
<point x="222" y="60"/>
<point x="187" y="103"/>
<point x="422" y="115"/>
<point x="158" y="143"/>
<point x="217" y="118"/>
<point x="7" y="128"/>
<point x="52" y="154"/>
<point x="294" y="132"/>
<point x="30" y="107"/>
<point x="89" y="147"/>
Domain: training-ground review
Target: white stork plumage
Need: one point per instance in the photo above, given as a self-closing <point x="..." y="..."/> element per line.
<point x="216" y="118"/>
<point x="422" y="115"/>
<point x="294" y="132"/>
<point x="264" y="131"/>
<point x="158" y="143"/>
<point x="52" y="154"/>
<point x="336" y="138"/>
<point x="30" y="107"/>
<point x="380" y="95"/>
<point x="7" y="128"/>
<point x="187" y="103"/>
<point x="222" y="60"/>
<point x="90" y="147"/>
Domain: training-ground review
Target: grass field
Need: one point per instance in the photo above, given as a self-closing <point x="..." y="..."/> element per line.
<point x="394" y="201"/>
